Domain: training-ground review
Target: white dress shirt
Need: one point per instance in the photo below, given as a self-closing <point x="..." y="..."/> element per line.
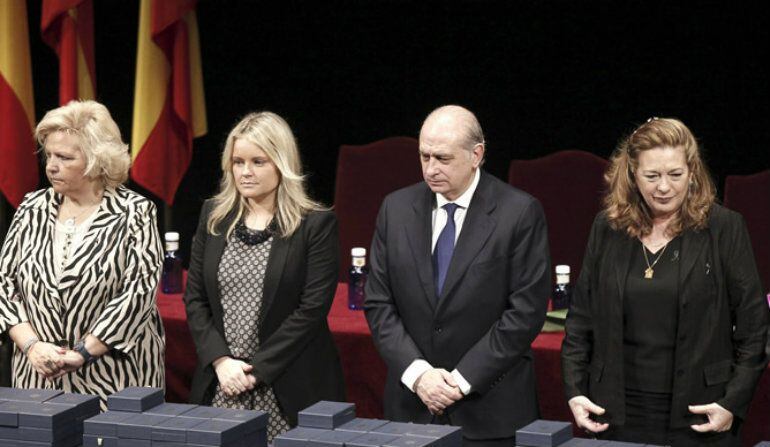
<point x="419" y="366"/>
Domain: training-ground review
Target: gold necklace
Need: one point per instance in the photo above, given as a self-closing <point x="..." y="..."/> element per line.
<point x="648" y="272"/>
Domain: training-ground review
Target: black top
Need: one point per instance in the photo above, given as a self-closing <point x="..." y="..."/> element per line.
<point x="650" y="315"/>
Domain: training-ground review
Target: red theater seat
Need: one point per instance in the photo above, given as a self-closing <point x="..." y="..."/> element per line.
<point x="365" y="175"/>
<point x="750" y="196"/>
<point x="569" y="184"/>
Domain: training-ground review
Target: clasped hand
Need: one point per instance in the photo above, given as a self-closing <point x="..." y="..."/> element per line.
<point x="234" y="376"/>
<point x="53" y="361"/>
<point x="437" y="389"/>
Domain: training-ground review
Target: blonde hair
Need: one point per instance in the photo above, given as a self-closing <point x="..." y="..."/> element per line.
<point x="273" y="135"/>
<point x="107" y="156"/>
<point x="624" y="206"/>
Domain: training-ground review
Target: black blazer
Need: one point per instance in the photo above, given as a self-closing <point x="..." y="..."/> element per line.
<point x="297" y="355"/>
<point x="492" y="306"/>
<point x="722" y="326"/>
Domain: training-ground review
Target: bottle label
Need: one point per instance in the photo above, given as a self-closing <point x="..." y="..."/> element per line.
<point x="172" y="246"/>
<point x="359" y="262"/>
<point x="562" y="279"/>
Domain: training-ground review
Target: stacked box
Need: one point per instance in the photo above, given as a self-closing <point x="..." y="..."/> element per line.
<point x="583" y="442"/>
<point x="35" y="417"/>
<point x="543" y="433"/>
<point x="135" y="399"/>
<point x="172" y="425"/>
<point x="333" y="424"/>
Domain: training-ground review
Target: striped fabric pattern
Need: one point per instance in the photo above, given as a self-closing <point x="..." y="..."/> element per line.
<point x="108" y="289"/>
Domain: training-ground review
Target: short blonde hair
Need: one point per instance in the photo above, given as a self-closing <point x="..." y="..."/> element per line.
<point x="107" y="156"/>
<point x="272" y="134"/>
<point x="624" y="206"/>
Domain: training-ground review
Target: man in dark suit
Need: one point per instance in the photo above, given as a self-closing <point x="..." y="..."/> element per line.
<point x="458" y="289"/>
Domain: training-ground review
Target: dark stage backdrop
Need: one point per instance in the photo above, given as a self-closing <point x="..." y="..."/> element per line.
<point x="542" y="76"/>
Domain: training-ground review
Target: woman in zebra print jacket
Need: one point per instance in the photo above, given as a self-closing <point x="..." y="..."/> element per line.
<point x="80" y="265"/>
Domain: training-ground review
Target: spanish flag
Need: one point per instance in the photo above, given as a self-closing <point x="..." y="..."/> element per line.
<point x="18" y="162"/>
<point x="67" y="26"/>
<point x="169" y="108"/>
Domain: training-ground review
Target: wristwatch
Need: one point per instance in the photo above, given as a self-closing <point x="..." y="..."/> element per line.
<point x="80" y="348"/>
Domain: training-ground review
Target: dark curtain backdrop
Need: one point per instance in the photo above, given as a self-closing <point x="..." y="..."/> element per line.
<point x="542" y="76"/>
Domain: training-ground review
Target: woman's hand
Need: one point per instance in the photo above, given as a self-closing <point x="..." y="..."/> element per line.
<point x="46" y="358"/>
<point x="582" y="408"/>
<point x="720" y="419"/>
<point x="234" y="376"/>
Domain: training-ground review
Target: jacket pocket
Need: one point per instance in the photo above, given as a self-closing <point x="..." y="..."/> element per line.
<point x="717" y="373"/>
<point x="595" y="370"/>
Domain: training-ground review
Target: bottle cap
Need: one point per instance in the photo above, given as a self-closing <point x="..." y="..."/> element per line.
<point x="171" y="236"/>
<point x="358" y="252"/>
<point x="562" y="269"/>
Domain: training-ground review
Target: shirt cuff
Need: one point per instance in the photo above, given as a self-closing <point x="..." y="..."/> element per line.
<point x="465" y="387"/>
<point x="413" y="372"/>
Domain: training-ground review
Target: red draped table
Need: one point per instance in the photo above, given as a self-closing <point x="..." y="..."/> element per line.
<point x="365" y="371"/>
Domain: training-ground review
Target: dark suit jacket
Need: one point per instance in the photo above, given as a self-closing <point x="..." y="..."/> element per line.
<point x="492" y="305"/>
<point x="719" y="290"/>
<point x="297" y="355"/>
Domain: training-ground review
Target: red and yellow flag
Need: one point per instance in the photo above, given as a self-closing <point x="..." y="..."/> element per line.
<point x="169" y="107"/>
<point x="67" y="26"/>
<point x="18" y="162"/>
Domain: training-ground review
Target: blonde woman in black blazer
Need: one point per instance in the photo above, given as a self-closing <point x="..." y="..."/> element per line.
<point x="666" y="333"/>
<point x="263" y="273"/>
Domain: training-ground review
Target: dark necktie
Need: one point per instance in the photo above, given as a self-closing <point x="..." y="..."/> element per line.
<point x="445" y="245"/>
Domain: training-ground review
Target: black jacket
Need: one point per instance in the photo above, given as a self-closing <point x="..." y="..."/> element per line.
<point x="722" y="325"/>
<point x="297" y="355"/>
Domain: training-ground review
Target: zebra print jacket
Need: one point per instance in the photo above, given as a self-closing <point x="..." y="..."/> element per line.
<point x="107" y="289"/>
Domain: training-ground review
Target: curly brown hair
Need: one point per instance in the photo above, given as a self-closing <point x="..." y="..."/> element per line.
<point x="624" y="206"/>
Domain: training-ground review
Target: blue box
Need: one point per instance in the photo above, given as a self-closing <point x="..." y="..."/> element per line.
<point x="445" y="435"/>
<point x="27" y="395"/>
<point x="105" y="424"/>
<point x="297" y="437"/>
<point x="542" y="433"/>
<point x="174" y="429"/>
<point x="46" y="435"/>
<point x="216" y="432"/>
<point x="44" y="415"/>
<point x="371" y="440"/>
<point x="135" y="399"/>
<point x="169" y="409"/>
<point x="582" y="442"/>
<point x="204" y="412"/>
<point x="327" y="414"/>
<point x="333" y="439"/>
<point x="9" y="414"/>
<point x="86" y="405"/>
<point x="9" y="433"/>
<point x="395" y="428"/>
<point x="130" y="442"/>
<point x="411" y="441"/>
<point x="252" y="420"/>
<point x="99" y="441"/>
<point x="139" y="426"/>
<point x="362" y="425"/>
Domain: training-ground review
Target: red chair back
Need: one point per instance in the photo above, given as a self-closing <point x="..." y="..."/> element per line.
<point x="365" y="175"/>
<point x="750" y="196"/>
<point x="569" y="185"/>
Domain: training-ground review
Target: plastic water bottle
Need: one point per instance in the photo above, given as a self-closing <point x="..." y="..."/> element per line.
<point x="357" y="281"/>
<point x="171" y="281"/>
<point x="562" y="292"/>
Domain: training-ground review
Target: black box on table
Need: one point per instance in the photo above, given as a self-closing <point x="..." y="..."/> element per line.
<point x="327" y="414"/>
<point x="362" y="425"/>
<point x="542" y="433"/>
<point x="297" y="437"/>
<point x="135" y="399"/>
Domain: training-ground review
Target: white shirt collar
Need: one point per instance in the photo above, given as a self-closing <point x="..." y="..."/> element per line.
<point x="464" y="200"/>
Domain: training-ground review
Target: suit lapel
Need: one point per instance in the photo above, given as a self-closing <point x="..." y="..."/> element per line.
<point x="275" y="266"/>
<point x="625" y="246"/>
<point x="418" y="232"/>
<point x="213" y="255"/>
<point x="477" y="227"/>
<point x="693" y="243"/>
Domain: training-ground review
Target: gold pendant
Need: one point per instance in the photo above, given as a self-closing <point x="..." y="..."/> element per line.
<point x="648" y="273"/>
